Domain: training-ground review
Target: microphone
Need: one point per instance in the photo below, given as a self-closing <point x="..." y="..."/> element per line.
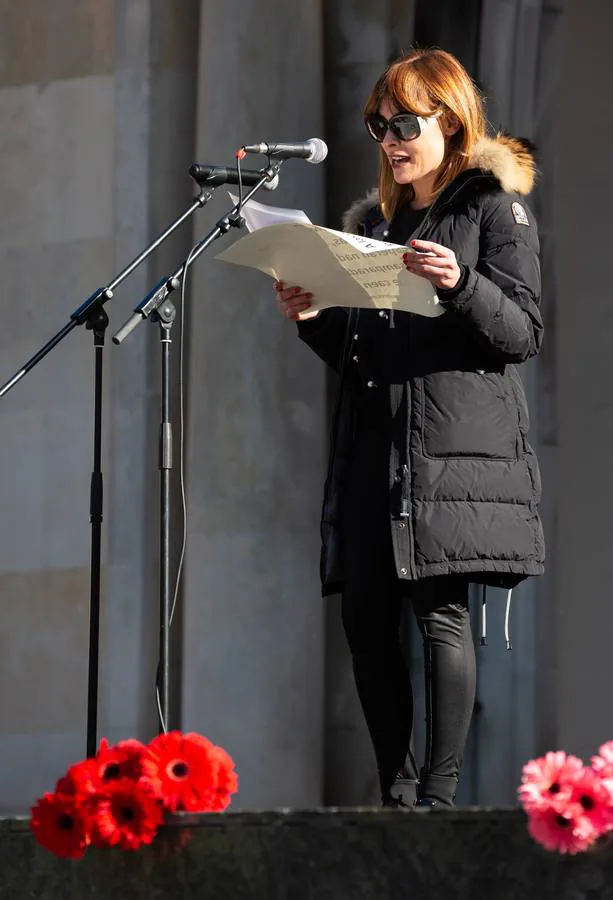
<point x="314" y="150"/>
<point x="213" y="176"/>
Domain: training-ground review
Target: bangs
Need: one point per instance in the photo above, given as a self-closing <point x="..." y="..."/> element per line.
<point x="426" y="82"/>
<point x="406" y="89"/>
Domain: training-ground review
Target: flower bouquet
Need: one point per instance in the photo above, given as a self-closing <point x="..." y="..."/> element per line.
<point x="569" y="805"/>
<point x="119" y="797"/>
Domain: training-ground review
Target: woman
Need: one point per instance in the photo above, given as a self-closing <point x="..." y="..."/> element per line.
<point x="432" y="484"/>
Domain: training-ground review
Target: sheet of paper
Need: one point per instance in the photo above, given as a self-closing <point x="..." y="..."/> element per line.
<point x="260" y="215"/>
<point x="338" y="269"/>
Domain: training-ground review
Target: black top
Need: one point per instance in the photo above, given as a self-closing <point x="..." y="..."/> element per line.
<point x="366" y="504"/>
<point x="405" y="223"/>
<point x="372" y="353"/>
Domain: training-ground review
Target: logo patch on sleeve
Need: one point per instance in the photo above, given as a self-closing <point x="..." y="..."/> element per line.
<point x="519" y="214"/>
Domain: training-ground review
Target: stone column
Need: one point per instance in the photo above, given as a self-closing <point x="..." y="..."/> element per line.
<point x="155" y="71"/>
<point x="518" y="69"/>
<point x="94" y="148"/>
<point x="56" y="247"/>
<point x="253" y="616"/>
<point x="583" y="613"/>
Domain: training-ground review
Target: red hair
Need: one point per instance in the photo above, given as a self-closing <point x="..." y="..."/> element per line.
<point x="426" y="82"/>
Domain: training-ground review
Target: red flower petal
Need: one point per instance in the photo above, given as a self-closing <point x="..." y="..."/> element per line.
<point x="188" y="768"/>
<point x="227" y="779"/>
<point x="80" y="781"/>
<point x="59" y="825"/>
<point x="119" y="761"/>
<point x="127" y="815"/>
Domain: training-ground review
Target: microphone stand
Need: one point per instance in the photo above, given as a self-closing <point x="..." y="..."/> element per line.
<point x="159" y="308"/>
<point x="91" y="313"/>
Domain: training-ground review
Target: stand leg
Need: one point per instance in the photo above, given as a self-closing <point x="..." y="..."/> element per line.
<point x="166" y="315"/>
<point x="97" y="324"/>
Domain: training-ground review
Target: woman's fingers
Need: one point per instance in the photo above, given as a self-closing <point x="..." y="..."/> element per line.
<point x="442" y="271"/>
<point x="298" y="300"/>
<point x="417" y="261"/>
<point x="287" y="293"/>
<point x="431" y="247"/>
<point x="299" y="311"/>
<point x="430" y="270"/>
<point x="293" y="302"/>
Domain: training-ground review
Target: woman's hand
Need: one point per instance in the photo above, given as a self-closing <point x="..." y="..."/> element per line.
<point x="293" y="302"/>
<point x="437" y="264"/>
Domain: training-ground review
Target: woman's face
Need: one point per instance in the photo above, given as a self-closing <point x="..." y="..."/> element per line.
<point x="417" y="160"/>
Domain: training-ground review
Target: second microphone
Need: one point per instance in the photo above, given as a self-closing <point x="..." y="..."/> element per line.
<point x="213" y="176"/>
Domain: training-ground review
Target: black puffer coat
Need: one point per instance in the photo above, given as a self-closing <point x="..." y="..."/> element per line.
<point x="464" y="483"/>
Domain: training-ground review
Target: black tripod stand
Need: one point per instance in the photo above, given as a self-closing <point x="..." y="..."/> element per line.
<point x="91" y="313"/>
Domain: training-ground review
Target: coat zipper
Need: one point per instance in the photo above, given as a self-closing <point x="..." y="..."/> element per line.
<point x="406" y="505"/>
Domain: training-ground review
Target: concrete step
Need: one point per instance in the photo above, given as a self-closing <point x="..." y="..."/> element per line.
<point x="328" y="854"/>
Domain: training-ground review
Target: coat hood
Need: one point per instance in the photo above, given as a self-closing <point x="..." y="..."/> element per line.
<point x="510" y="160"/>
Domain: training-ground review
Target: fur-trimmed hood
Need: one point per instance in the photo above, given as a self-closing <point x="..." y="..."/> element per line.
<point x="510" y="160"/>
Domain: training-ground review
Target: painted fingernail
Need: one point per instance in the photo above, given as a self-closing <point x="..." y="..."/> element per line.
<point x="308" y="296"/>
<point x="297" y="290"/>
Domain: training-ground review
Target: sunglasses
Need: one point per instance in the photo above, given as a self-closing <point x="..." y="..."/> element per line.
<point x="404" y="126"/>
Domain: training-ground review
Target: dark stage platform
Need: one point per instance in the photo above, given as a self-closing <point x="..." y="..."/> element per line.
<point x="331" y="854"/>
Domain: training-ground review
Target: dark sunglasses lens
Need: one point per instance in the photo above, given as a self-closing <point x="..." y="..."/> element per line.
<point x="376" y="126"/>
<point x="405" y="126"/>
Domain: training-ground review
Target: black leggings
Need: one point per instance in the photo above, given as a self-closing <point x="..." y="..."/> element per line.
<point x="371" y="619"/>
<point x="372" y="612"/>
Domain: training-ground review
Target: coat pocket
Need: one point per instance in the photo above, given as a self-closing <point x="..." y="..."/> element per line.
<point x="519" y="394"/>
<point x="469" y="414"/>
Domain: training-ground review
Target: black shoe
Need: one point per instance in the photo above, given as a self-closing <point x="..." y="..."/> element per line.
<point x="437" y="791"/>
<point x="402" y="794"/>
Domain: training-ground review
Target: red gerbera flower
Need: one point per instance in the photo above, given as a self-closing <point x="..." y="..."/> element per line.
<point x="126" y="815"/>
<point x="122" y="760"/>
<point x="187" y="770"/>
<point x="88" y="778"/>
<point x="60" y="825"/>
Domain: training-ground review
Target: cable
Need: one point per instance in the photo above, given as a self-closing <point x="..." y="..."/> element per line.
<point x="182" y="308"/>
